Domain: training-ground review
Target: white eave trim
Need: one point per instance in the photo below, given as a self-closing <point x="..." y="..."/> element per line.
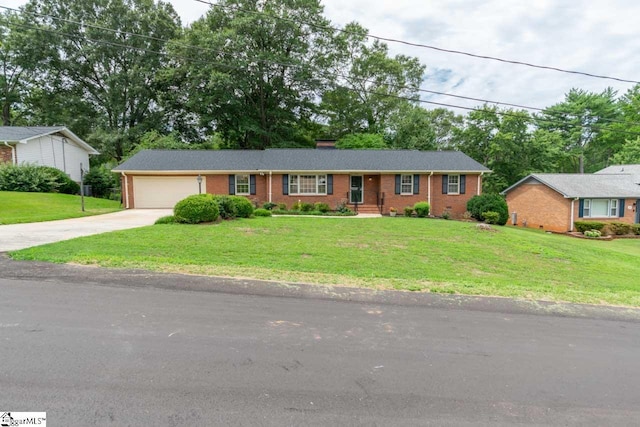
<point x="67" y="133"/>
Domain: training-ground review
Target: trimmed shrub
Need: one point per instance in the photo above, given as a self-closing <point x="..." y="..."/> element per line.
<point x="196" y="209"/>
<point x="262" y="212"/>
<point x="306" y="207"/>
<point x="592" y="233"/>
<point x="636" y="229"/>
<point x="64" y="184"/>
<point x="342" y="207"/>
<point x="408" y="211"/>
<point x="618" y="228"/>
<point x="322" y="207"/>
<point x="244" y="207"/>
<point x="282" y="206"/>
<point x="226" y="206"/>
<point x="477" y="205"/>
<point x="269" y="206"/>
<point x="583" y="226"/>
<point x="422" y="209"/>
<point x="26" y="178"/>
<point x="169" y="219"/>
<point x="491" y="217"/>
<point x="446" y="215"/>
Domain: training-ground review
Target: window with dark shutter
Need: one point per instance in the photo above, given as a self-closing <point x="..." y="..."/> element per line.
<point x="463" y="184"/>
<point x="252" y="185"/>
<point x="285" y="185"/>
<point x="416" y="184"/>
<point x="398" y="184"/>
<point x="329" y="184"/>
<point x="445" y="184"/>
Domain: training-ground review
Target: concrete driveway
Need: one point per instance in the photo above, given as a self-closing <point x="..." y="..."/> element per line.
<point x="20" y="236"/>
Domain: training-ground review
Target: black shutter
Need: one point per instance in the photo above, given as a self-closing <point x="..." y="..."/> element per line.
<point x="463" y="184"/>
<point x="581" y="209"/>
<point x="398" y="184"/>
<point x="252" y="185"/>
<point x="445" y="184"/>
<point x="329" y="184"/>
<point x="416" y="184"/>
<point x="285" y="185"/>
<point x="621" y="208"/>
<point x="232" y="184"/>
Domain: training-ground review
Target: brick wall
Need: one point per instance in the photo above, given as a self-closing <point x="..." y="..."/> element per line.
<point x="6" y="154"/>
<point x="538" y="206"/>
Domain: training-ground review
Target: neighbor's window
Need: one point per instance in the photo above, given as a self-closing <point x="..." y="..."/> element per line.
<point x="600" y="208"/>
<point x="406" y="184"/>
<point x="307" y="184"/>
<point x="242" y="184"/>
<point x="454" y="184"/>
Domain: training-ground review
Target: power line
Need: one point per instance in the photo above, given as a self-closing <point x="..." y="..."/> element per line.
<point x="419" y="89"/>
<point x="425" y="46"/>
<point x="231" y="67"/>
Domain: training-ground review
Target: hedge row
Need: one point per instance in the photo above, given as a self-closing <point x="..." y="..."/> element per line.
<point x="208" y="207"/>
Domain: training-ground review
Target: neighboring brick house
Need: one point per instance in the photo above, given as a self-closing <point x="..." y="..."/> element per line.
<point x="54" y="146"/>
<point x="372" y="180"/>
<point x="554" y="202"/>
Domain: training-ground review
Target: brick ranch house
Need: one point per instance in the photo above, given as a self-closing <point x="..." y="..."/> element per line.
<point x="554" y="202"/>
<point x="54" y="146"/>
<point x="372" y="180"/>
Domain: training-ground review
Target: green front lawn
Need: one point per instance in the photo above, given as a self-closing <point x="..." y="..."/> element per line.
<point x="35" y="207"/>
<point x="385" y="253"/>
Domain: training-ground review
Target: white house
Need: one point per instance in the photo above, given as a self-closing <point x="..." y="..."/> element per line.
<point x="53" y="146"/>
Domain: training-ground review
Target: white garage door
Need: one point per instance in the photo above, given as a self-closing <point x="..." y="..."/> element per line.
<point x="163" y="191"/>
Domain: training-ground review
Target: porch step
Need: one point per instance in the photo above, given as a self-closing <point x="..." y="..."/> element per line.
<point x="367" y="209"/>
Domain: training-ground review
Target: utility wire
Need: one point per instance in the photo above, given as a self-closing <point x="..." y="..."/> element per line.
<point x="532" y="120"/>
<point x="425" y="46"/>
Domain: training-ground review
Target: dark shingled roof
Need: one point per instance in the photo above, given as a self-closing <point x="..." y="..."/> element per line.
<point x="20" y="133"/>
<point x="586" y="185"/>
<point x="298" y="160"/>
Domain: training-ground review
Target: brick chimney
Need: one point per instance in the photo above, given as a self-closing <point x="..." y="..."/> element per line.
<point x="325" y="144"/>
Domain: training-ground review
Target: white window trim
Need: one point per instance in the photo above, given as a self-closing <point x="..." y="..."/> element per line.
<point x="317" y="192"/>
<point x="449" y="185"/>
<point x="240" y="193"/>
<point x="587" y="207"/>
<point x="404" y="193"/>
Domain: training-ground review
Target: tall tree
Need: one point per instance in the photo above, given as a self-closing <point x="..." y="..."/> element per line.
<point x="106" y="56"/>
<point x="250" y="69"/>
<point x="368" y="85"/>
<point x="583" y="120"/>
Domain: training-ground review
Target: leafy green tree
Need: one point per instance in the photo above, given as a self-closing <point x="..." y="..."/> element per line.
<point x="411" y="128"/>
<point x="361" y="141"/>
<point x="368" y="85"/>
<point x="251" y="76"/>
<point x="104" y="62"/>
<point x="629" y="154"/>
<point x="583" y="121"/>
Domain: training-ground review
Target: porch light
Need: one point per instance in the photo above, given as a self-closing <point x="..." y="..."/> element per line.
<point x="199" y="179"/>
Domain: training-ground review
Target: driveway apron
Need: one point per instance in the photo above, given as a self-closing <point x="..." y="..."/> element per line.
<point x="20" y="236"/>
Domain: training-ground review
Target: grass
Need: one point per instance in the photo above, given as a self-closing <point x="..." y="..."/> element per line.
<point x="35" y="207"/>
<point x="385" y="253"/>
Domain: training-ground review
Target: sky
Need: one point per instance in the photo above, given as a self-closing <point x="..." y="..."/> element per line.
<point x="593" y="36"/>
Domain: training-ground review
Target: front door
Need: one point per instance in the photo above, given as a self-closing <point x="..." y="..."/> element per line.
<point x="355" y="194"/>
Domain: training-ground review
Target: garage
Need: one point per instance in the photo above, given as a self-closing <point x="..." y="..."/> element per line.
<point x="163" y="192"/>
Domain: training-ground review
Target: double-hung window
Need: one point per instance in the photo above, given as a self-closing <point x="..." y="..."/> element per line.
<point x="454" y="184"/>
<point x="308" y="184"/>
<point x="242" y="185"/>
<point x="406" y="184"/>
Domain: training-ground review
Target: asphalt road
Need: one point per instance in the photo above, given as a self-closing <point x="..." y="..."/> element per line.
<point x="97" y="354"/>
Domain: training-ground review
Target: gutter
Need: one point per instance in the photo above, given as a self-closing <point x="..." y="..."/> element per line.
<point x="573" y="201"/>
<point x="479" y="183"/>
<point x="126" y="190"/>
<point x="13" y="152"/>
<point x="270" y="186"/>
<point x="429" y="194"/>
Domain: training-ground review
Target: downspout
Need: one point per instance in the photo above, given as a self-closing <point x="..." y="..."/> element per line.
<point x="480" y="183"/>
<point x="13" y="152"/>
<point x="573" y="201"/>
<point x="429" y="194"/>
<point x="270" y="186"/>
<point x="126" y="190"/>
